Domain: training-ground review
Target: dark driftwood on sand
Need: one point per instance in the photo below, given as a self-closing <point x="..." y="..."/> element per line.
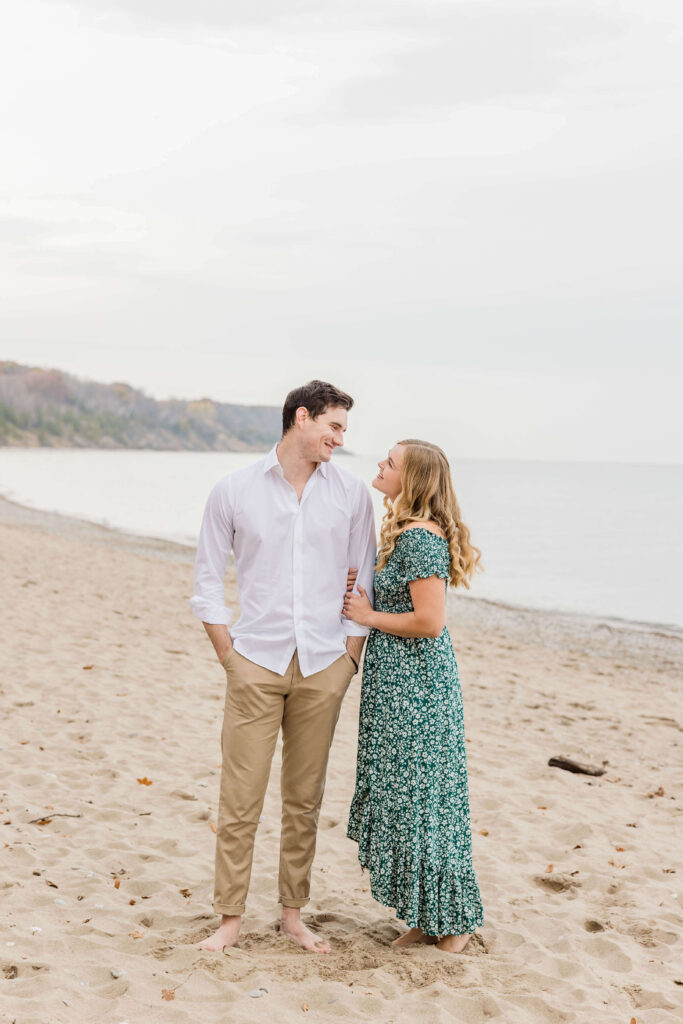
<point x="570" y="765"/>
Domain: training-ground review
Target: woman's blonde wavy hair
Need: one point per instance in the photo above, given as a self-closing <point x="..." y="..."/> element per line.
<point x="427" y="494"/>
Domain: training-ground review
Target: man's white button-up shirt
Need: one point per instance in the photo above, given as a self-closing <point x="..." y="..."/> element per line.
<point x="292" y="561"/>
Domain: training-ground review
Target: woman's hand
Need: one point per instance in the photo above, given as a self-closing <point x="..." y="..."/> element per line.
<point x="351" y="579"/>
<point x="357" y="607"/>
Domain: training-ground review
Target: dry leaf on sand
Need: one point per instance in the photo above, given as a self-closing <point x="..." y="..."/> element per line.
<point x="117" y="883"/>
<point x="144" y="781"/>
<point x="549" y="868"/>
<point x="167" y="993"/>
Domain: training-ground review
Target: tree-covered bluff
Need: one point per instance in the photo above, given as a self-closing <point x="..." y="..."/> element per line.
<point x="40" y="407"/>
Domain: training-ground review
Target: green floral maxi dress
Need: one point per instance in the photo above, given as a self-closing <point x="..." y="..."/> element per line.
<point x="410" y="812"/>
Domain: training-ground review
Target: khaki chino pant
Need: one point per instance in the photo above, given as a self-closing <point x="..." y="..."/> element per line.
<point x="258" y="703"/>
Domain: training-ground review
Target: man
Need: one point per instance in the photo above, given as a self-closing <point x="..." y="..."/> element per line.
<point x="296" y="524"/>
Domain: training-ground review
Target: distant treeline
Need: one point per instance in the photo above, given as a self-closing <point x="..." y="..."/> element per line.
<point x="54" y="409"/>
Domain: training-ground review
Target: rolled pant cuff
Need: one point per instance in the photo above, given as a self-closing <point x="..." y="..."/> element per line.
<point x="287" y="902"/>
<point x="223" y="908"/>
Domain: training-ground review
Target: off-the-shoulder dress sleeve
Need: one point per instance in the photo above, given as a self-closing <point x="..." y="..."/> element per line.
<point x="423" y="554"/>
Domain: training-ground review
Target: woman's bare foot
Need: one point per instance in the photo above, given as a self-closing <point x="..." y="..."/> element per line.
<point x="407" y="939"/>
<point x="225" y="935"/>
<point x="453" y="943"/>
<point x="294" y="928"/>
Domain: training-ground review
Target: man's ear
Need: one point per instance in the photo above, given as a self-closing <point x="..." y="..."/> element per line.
<point x="302" y="415"/>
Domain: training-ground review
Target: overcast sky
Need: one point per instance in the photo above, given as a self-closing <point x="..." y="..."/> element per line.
<point x="466" y="213"/>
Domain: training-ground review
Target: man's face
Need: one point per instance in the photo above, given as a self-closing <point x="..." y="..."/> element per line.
<point x="322" y="435"/>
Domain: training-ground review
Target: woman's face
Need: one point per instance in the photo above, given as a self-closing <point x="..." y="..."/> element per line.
<point x="388" y="480"/>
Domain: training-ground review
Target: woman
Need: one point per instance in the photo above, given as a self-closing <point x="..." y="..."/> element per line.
<point x="410" y="811"/>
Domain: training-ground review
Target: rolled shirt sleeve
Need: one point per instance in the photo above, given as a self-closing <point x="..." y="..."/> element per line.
<point x="213" y="552"/>
<point x="362" y="553"/>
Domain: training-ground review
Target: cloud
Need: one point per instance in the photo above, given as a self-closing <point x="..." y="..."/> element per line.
<point x="20" y="231"/>
<point x="61" y="237"/>
<point x="311" y="15"/>
<point x="404" y="59"/>
<point x="473" y="53"/>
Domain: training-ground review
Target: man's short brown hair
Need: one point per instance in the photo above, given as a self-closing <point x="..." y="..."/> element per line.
<point x="316" y="396"/>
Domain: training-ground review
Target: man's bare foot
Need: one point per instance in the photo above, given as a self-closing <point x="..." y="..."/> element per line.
<point x="453" y="943"/>
<point x="294" y="928"/>
<point x="409" y="937"/>
<point x="225" y="935"/>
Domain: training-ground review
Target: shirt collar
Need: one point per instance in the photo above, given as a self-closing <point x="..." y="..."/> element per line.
<point x="272" y="462"/>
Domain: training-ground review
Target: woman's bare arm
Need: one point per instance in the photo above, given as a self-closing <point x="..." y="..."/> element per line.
<point x="427" y="620"/>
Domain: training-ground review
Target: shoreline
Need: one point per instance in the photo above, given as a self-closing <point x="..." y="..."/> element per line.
<point x="14" y="512"/>
<point x="345" y="451"/>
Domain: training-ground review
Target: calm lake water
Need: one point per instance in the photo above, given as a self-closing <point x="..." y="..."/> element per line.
<point x="601" y="539"/>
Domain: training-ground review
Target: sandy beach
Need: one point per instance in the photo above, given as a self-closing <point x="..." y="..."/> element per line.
<point x="111" y="712"/>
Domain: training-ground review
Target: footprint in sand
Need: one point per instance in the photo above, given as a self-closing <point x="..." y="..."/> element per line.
<point x="650" y="937"/>
<point x="648" y="999"/>
<point x="11" y="971"/>
<point x="476" y="946"/>
<point x="557" y="883"/>
<point x="383" y="932"/>
<point x="328" y="917"/>
<point x="611" y="954"/>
